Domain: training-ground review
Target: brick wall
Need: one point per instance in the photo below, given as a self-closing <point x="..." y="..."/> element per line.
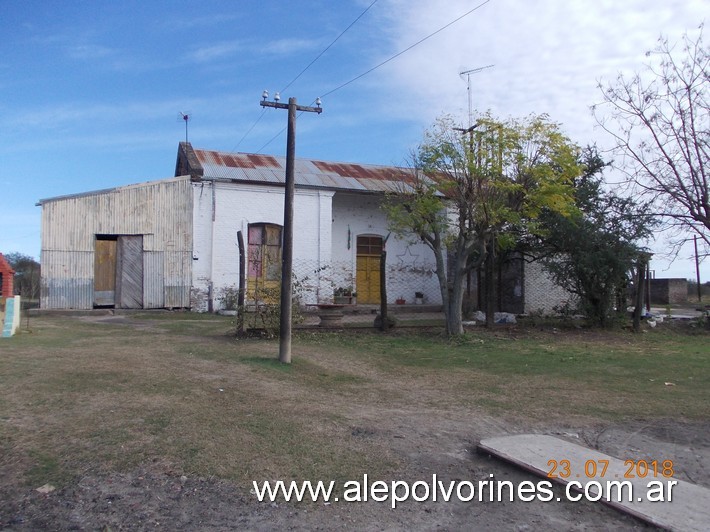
<point x="669" y="291"/>
<point x="8" y="276"/>
<point x="541" y="293"/>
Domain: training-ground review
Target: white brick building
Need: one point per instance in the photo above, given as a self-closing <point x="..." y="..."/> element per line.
<point x="174" y="242"/>
<point x="339" y="228"/>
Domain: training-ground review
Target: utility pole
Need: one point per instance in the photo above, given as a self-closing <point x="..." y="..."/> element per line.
<point x="287" y="252"/>
<point x="697" y="270"/>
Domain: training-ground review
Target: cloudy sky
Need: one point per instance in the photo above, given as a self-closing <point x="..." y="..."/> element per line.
<point x="91" y="92"/>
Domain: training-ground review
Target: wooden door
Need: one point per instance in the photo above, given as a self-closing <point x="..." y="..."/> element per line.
<point x="264" y="263"/>
<point x="129" y="272"/>
<point x="369" y="252"/>
<point x="105" y="272"/>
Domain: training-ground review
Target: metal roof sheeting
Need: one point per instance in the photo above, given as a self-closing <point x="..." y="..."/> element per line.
<point x="267" y="169"/>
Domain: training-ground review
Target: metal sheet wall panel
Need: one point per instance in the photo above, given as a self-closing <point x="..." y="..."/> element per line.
<point x="159" y="208"/>
<point x="129" y="274"/>
<point x="71" y="285"/>
<point x="153" y="280"/>
<point x="178" y="279"/>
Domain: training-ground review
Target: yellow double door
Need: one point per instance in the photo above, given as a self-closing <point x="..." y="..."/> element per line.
<point x="368" y="279"/>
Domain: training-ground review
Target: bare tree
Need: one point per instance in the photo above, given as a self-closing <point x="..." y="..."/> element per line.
<point x="659" y="120"/>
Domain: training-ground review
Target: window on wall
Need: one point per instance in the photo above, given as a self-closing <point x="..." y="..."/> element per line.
<point x="264" y="252"/>
<point x="369" y="245"/>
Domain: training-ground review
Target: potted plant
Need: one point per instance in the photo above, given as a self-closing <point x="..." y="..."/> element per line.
<point x="400" y="300"/>
<point x="343" y="295"/>
<point x="418" y="298"/>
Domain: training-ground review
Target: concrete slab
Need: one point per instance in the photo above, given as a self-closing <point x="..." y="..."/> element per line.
<point x="688" y="508"/>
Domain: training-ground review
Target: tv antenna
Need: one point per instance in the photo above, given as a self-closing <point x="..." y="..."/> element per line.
<point x="468" y="73"/>
<point x="186" y="118"/>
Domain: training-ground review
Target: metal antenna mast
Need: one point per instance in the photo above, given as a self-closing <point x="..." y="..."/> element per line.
<point x="186" y="118"/>
<point x="468" y="73"/>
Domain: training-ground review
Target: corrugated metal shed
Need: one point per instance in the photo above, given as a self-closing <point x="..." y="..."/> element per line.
<point x="159" y="211"/>
<point x="267" y="169"/>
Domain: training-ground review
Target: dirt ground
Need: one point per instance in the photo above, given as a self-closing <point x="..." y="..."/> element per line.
<point x="154" y="497"/>
<point x="426" y="441"/>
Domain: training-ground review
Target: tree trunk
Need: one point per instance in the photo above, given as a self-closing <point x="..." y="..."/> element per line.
<point x="454" y="320"/>
<point x="640" y="291"/>
<point x="490" y="282"/>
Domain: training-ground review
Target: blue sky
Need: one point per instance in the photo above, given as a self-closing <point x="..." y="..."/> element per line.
<point x="91" y="92"/>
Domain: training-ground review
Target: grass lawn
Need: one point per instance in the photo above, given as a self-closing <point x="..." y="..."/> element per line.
<point x="89" y="395"/>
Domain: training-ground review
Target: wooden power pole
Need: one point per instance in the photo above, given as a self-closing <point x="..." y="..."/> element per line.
<point x="287" y="252"/>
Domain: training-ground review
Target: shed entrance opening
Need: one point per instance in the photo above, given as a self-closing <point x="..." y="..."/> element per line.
<point x="118" y="271"/>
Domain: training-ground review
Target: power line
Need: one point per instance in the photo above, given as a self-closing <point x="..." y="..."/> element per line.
<point x="395" y="56"/>
<point x="272" y="139"/>
<point x="261" y="115"/>
<point x="329" y="46"/>
<point x="309" y="65"/>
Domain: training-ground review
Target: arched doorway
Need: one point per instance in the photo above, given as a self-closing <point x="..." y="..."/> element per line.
<point x="264" y="262"/>
<point x="369" y="252"/>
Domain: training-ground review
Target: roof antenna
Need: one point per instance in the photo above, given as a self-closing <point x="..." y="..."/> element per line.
<point x="468" y="73"/>
<point x="186" y="117"/>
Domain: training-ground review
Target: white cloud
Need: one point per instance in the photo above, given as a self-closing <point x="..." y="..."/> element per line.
<point x="548" y="55"/>
<point x="289" y="46"/>
<point x="89" y="51"/>
<point x="279" y="47"/>
<point x="215" y="51"/>
<point x="189" y="22"/>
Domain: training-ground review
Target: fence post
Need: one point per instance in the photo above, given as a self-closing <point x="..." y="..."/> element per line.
<point x="384" y="325"/>
<point x="242" y="284"/>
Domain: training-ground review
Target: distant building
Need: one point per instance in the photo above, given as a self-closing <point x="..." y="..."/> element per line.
<point x="7" y="276"/>
<point x="668" y="291"/>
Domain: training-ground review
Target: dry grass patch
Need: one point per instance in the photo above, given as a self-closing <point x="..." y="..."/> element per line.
<point x="94" y="395"/>
<point x="111" y="396"/>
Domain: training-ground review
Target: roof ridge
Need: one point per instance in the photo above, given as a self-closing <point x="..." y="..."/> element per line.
<point x="241" y="153"/>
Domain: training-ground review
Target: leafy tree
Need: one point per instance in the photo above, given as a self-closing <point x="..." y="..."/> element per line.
<point x="27" y="274"/>
<point x="471" y="192"/>
<point x="591" y="252"/>
<point x="661" y="125"/>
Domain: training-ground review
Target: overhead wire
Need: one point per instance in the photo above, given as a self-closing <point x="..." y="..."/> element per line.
<point x="309" y="65"/>
<point x="329" y="46"/>
<point x="391" y="58"/>
<point x="395" y="56"/>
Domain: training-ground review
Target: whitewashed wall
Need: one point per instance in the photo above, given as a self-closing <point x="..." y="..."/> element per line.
<point x="410" y="265"/>
<point x="234" y="207"/>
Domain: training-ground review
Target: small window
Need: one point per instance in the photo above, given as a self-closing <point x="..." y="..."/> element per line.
<point x="369" y="245"/>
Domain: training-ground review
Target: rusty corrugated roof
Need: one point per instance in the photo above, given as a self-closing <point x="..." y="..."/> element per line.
<point x="268" y="169"/>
